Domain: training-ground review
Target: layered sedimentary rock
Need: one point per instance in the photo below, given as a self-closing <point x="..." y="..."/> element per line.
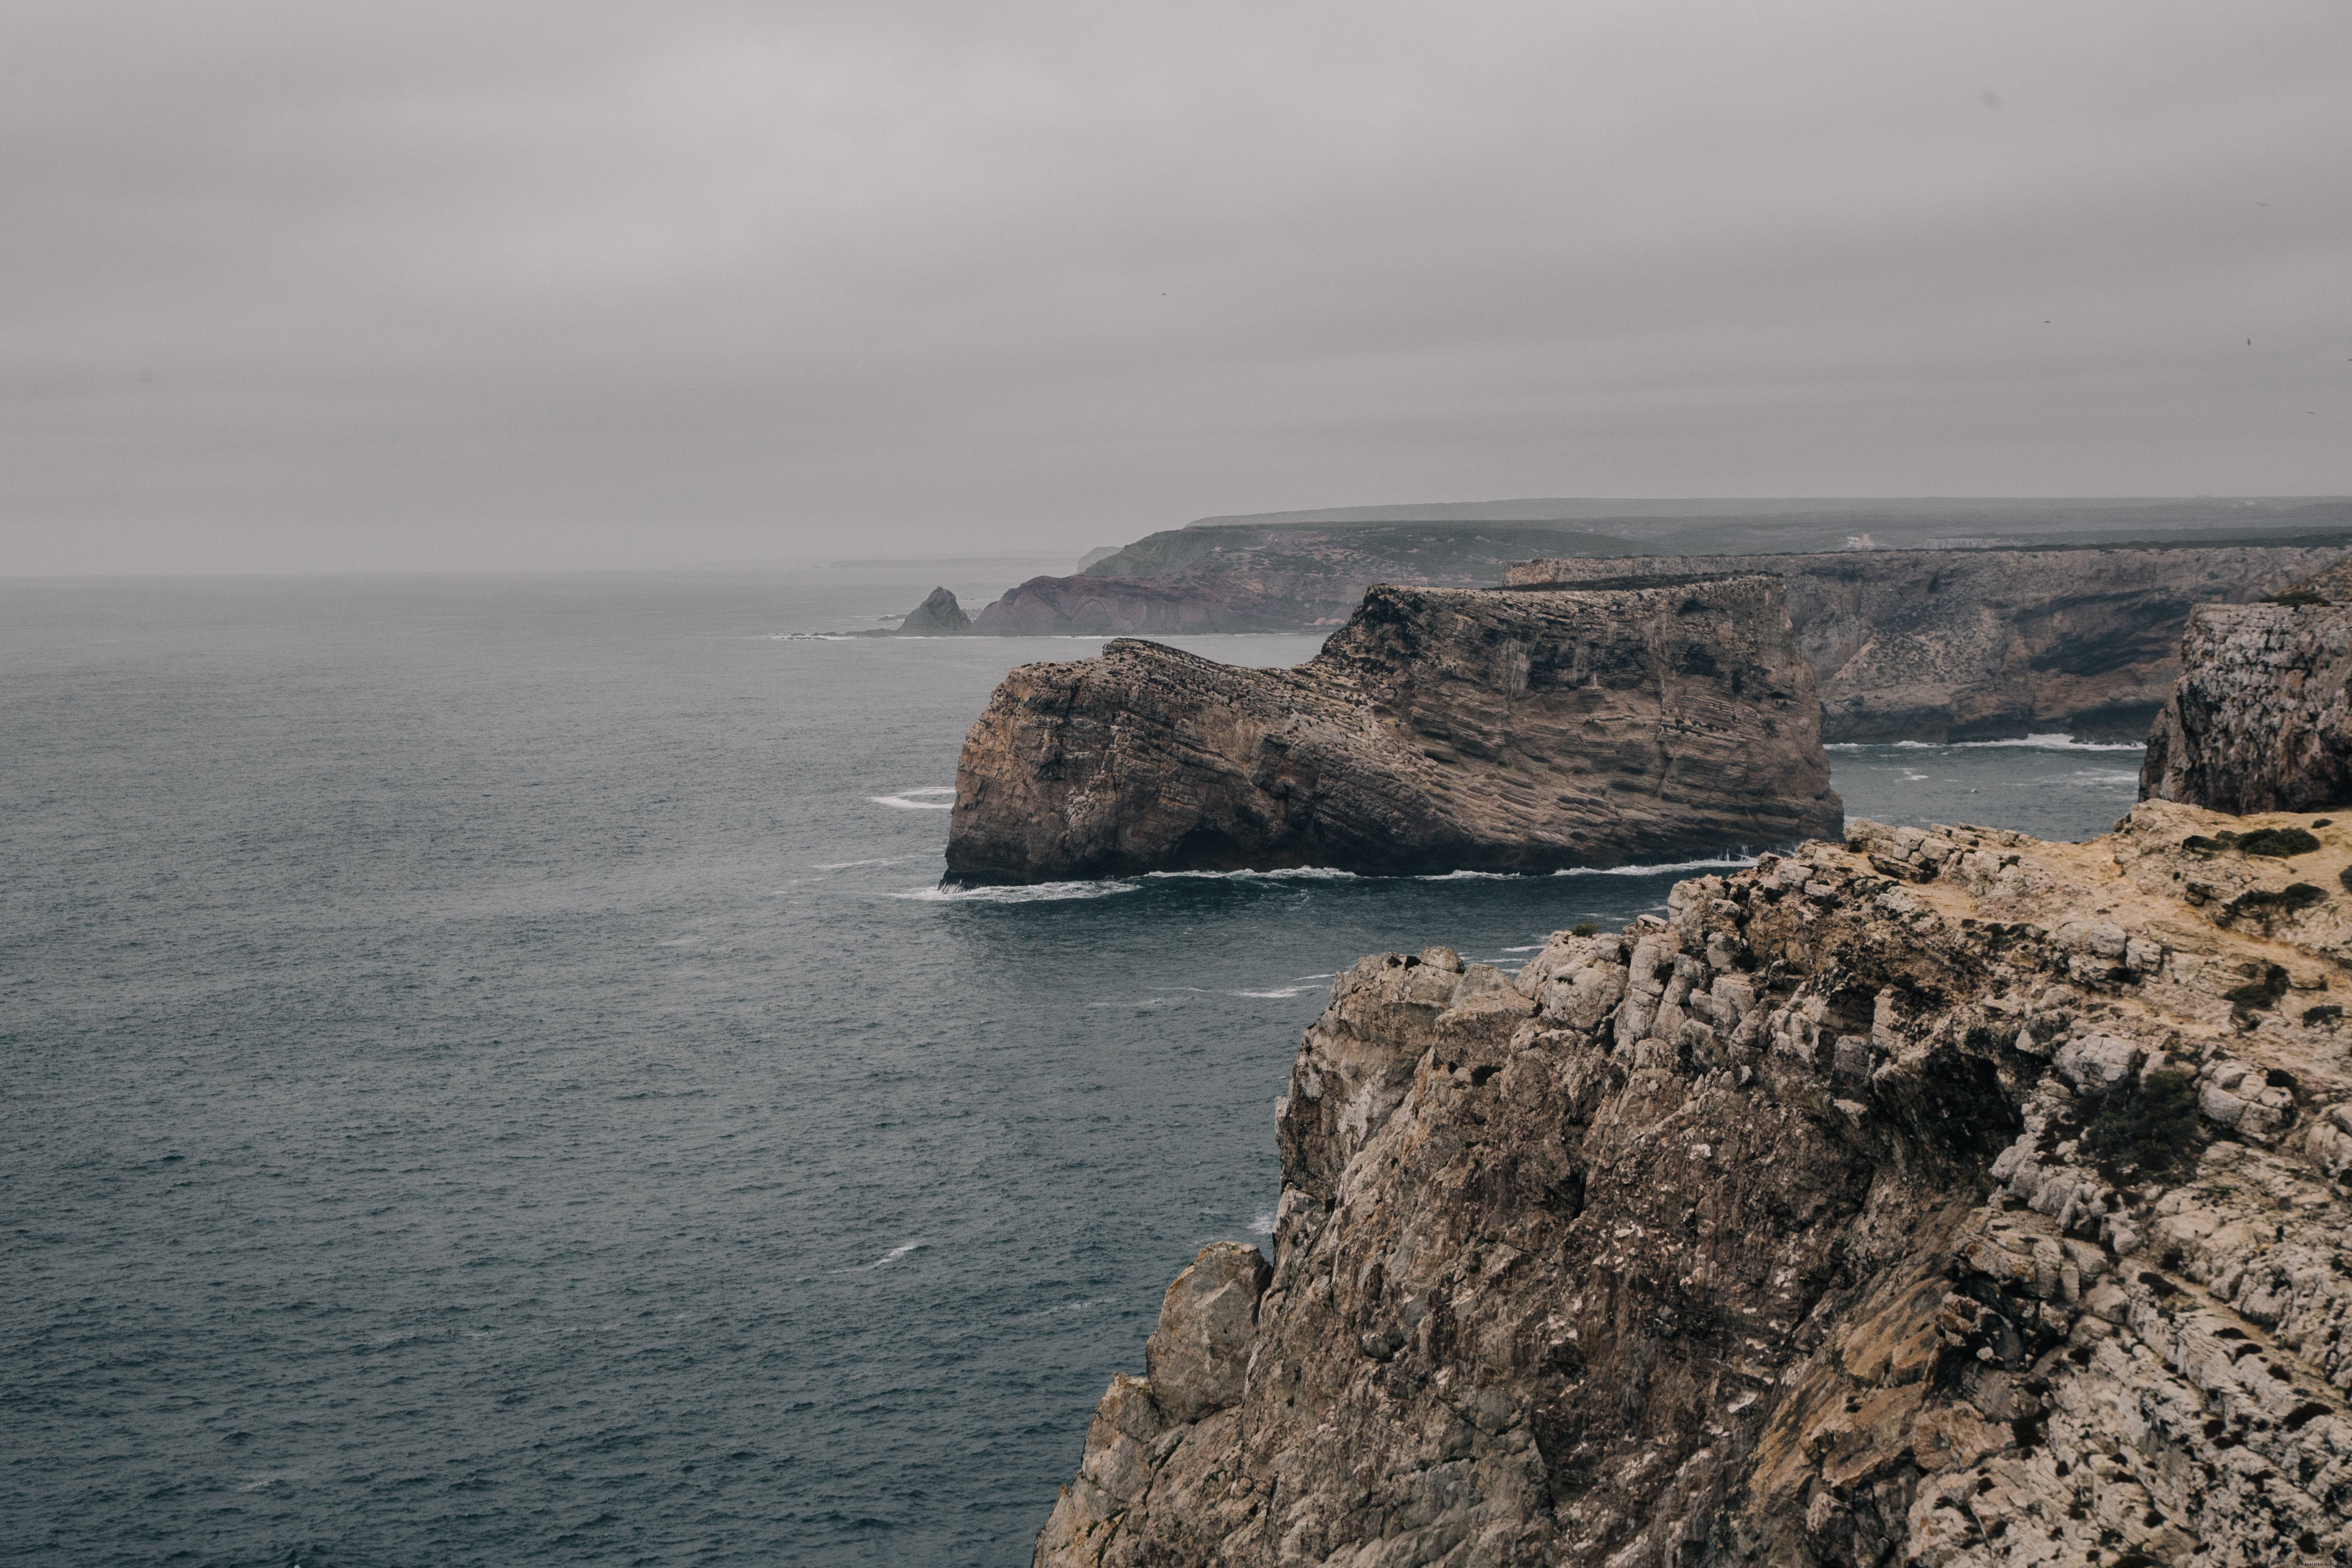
<point x="1938" y="1197"/>
<point x="937" y="616"/>
<point x="2260" y="719"/>
<point x="1953" y="644"/>
<point x="1440" y="730"/>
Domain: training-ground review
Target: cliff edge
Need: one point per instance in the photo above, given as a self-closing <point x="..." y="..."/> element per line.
<point x="1937" y="644"/>
<point x="1440" y="730"/>
<point x="2260" y="719"/>
<point x="1947" y="1198"/>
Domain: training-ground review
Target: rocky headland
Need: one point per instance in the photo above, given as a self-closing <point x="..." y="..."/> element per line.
<point x="1936" y="645"/>
<point x="2260" y="719"/>
<point x="1439" y="729"/>
<point x="1938" y="1197"/>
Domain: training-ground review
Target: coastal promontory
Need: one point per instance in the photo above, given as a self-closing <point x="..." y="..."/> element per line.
<point x="1925" y="1197"/>
<point x="1440" y="730"/>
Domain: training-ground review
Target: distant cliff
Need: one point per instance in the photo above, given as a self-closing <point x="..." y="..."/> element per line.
<point x="1956" y="645"/>
<point x="1440" y="730"/>
<point x="1936" y="1198"/>
<point x="2260" y="719"/>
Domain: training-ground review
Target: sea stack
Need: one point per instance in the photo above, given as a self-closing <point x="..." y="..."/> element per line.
<point x="2260" y="719"/>
<point x="936" y="616"/>
<point x="1440" y="730"/>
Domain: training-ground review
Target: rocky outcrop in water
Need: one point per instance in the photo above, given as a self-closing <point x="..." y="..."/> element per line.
<point x="1959" y="645"/>
<point x="2260" y="719"/>
<point x="1440" y="730"/>
<point x="937" y="616"/>
<point x="1938" y="1197"/>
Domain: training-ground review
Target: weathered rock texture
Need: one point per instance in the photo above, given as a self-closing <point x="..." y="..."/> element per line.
<point x="1956" y="645"/>
<point x="2260" y="719"/>
<point x="937" y="616"/>
<point x="1801" y="1226"/>
<point x="1440" y="730"/>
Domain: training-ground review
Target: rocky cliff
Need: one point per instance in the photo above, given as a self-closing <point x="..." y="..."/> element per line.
<point x="1956" y="645"/>
<point x="2260" y="719"/>
<point x="1440" y="730"/>
<point x="1947" y="1198"/>
<point x="937" y="616"/>
<point x="1091" y="606"/>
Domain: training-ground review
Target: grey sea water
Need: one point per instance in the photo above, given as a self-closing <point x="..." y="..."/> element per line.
<point x="486" y="1076"/>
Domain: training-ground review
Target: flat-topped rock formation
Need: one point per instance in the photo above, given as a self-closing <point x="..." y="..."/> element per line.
<point x="1939" y="645"/>
<point x="1939" y="1198"/>
<point x="1440" y="730"/>
<point x="2260" y="719"/>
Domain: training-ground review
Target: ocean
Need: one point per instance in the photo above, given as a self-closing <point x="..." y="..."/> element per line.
<point x="487" y="1075"/>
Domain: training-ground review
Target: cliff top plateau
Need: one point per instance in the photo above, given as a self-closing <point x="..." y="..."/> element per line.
<point x="1941" y="1197"/>
<point x="1921" y="645"/>
<point x="1442" y="729"/>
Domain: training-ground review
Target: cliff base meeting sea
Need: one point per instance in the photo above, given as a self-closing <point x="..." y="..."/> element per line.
<point x="488" y="1074"/>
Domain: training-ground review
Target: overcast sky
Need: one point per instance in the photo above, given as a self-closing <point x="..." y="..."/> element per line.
<point x="501" y="282"/>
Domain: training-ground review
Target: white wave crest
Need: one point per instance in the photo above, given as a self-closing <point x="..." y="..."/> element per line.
<point x="845" y="865"/>
<point x="1284" y="993"/>
<point x="918" y="799"/>
<point x="1033" y="893"/>
<point x="1262" y="1224"/>
<point x="1286" y="873"/>
<point x="1719" y="863"/>
<point x="2030" y="743"/>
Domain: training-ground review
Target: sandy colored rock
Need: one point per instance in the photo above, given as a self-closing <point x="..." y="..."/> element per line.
<point x="1779" y="1230"/>
<point x="1440" y="730"/>
<point x="1194" y="1357"/>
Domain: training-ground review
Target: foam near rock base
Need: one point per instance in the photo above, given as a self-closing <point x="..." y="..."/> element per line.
<point x="1939" y="1196"/>
<point x="1441" y="730"/>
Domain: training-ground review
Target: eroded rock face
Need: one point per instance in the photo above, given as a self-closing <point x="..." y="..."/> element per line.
<point x="2260" y="719"/>
<point x="1951" y="645"/>
<point x="1822" y="1221"/>
<point x="1439" y="729"/>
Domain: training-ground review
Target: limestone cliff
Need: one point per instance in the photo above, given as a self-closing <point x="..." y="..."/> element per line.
<point x="1953" y="645"/>
<point x="1440" y="730"/>
<point x="1947" y="1198"/>
<point x="2260" y="719"/>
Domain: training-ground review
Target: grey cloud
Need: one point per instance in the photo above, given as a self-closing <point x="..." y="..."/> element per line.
<point x="589" y="284"/>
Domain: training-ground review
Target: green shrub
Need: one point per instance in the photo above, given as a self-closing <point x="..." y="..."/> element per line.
<point x="2147" y="1125"/>
<point x="2297" y="596"/>
<point x="1584" y="928"/>
<point x="2267" y="906"/>
<point x="2262" y="992"/>
<point x="2278" y="843"/>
